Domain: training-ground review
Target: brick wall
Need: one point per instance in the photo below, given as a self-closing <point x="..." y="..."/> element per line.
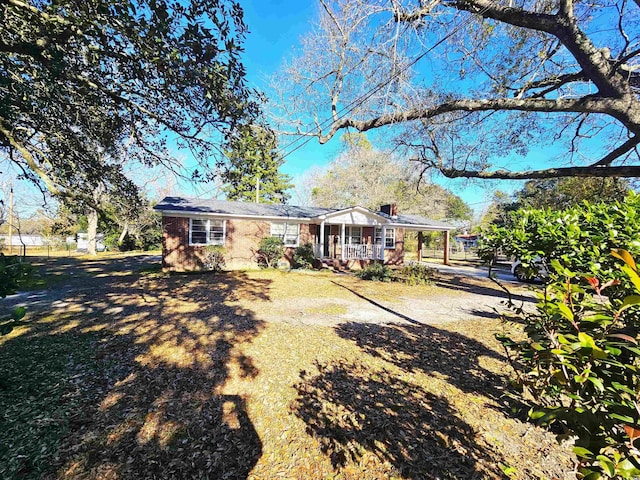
<point x="241" y="242"/>
<point x="243" y="237"/>
<point x="176" y="252"/>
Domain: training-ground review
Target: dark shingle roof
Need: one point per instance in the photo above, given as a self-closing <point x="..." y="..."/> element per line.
<point x="223" y="207"/>
<point x="418" y="220"/>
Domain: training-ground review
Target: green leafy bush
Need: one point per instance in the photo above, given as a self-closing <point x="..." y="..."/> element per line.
<point x="13" y="274"/>
<point x="7" y="324"/>
<point x="270" y="250"/>
<point x="213" y="258"/>
<point x="416" y="274"/>
<point x="580" y="237"/>
<point x="579" y="366"/>
<point x="303" y="256"/>
<point x="377" y="272"/>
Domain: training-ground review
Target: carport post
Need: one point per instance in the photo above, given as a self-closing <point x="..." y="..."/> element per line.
<point x="446" y="247"/>
<point x="420" y="242"/>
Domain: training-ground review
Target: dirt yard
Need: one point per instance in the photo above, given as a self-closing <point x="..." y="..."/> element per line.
<point x="127" y="372"/>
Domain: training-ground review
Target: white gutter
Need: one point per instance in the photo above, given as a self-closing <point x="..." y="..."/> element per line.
<point x="413" y="226"/>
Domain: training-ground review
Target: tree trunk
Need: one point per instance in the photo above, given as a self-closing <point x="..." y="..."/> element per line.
<point x="123" y="234"/>
<point x="92" y="230"/>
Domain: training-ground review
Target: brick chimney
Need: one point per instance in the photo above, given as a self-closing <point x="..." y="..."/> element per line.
<point x="390" y="209"/>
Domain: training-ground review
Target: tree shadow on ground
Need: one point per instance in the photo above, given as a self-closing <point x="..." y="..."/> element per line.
<point x="352" y="409"/>
<point x="123" y="378"/>
<point x="379" y="305"/>
<point x="428" y="349"/>
<point x="461" y="283"/>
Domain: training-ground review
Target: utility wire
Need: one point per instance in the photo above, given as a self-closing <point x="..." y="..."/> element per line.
<point x="350" y="107"/>
<point x="347" y="109"/>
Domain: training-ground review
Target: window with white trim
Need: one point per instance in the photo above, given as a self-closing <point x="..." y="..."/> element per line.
<point x="389" y="239"/>
<point x="353" y="235"/>
<point x="377" y="236"/>
<point x="287" y="232"/>
<point x="206" y="232"/>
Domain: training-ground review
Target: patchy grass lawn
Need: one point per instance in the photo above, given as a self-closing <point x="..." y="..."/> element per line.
<point x="138" y="374"/>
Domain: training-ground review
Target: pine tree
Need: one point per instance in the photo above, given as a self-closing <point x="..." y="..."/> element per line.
<point x="253" y="169"/>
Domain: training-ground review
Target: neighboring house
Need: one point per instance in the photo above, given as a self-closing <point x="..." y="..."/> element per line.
<point x="35" y="240"/>
<point x="83" y="242"/>
<point x="467" y="240"/>
<point x="354" y="236"/>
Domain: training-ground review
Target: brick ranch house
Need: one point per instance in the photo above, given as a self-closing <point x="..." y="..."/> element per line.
<point x="353" y="236"/>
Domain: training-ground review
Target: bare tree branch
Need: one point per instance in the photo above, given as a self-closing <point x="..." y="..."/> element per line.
<point x="544" y="65"/>
<point x="621" y="171"/>
<point x="615" y="108"/>
<point x="618" y="152"/>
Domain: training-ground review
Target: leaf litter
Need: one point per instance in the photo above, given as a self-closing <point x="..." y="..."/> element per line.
<point x="263" y="375"/>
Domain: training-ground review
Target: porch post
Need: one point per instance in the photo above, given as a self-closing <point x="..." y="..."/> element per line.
<point x="342" y="234"/>
<point x="446" y="247"/>
<point x="321" y="240"/>
<point x="420" y="242"/>
<point x="384" y="242"/>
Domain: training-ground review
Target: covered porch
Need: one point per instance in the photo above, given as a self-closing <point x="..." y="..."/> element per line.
<point x="350" y="242"/>
<point x="357" y="234"/>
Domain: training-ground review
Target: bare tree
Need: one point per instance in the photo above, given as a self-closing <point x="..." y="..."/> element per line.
<point x="465" y="84"/>
<point x="369" y="178"/>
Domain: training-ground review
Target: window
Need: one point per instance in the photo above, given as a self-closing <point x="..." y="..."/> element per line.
<point x="198" y="232"/>
<point x="206" y="232"/>
<point x="389" y="239"/>
<point x="287" y="232"/>
<point x="216" y="232"/>
<point x="377" y="240"/>
<point x="353" y="235"/>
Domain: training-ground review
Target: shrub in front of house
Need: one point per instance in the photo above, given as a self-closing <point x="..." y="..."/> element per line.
<point x="577" y="367"/>
<point x="303" y="257"/>
<point x="376" y="272"/>
<point x="270" y="250"/>
<point x="213" y="258"/>
<point x="416" y="274"/>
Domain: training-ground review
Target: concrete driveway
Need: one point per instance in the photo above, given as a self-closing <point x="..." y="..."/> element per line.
<point x="478" y="272"/>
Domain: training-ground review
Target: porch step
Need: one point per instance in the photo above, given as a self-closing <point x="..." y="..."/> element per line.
<point x="334" y="263"/>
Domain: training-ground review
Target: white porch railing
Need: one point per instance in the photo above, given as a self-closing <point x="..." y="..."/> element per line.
<point x="353" y="252"/>
<point x="362" y="252"/>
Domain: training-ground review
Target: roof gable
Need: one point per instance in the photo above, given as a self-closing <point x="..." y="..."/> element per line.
<point x="355" y="215"/>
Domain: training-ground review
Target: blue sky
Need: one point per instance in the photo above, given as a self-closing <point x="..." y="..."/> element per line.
<point x="276" y="27"/>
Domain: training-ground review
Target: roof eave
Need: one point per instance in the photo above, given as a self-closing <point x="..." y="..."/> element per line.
<point x="413" y="226"/>
<point x="190" y="213"/>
